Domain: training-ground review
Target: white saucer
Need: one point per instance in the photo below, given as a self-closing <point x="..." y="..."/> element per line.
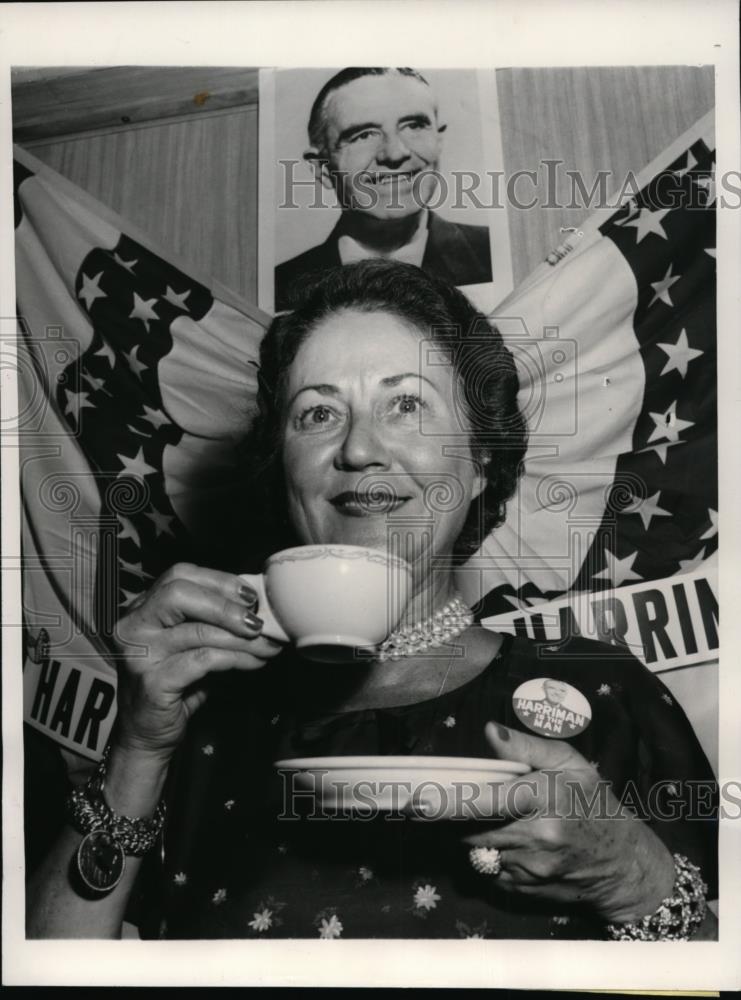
<point x="424" y="787"/>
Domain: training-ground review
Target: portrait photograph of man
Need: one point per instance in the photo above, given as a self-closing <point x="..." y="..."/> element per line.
<point x="379" y="162"/>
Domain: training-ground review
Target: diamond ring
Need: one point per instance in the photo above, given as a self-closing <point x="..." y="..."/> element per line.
<point x="486" y="860"/>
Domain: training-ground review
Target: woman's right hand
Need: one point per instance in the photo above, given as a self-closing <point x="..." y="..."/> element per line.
<point x="192" y="622"/>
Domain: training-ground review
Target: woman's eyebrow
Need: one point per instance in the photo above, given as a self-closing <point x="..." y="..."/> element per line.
<point x="326" y="389"/>
<point x="392" y="380"/>
<point x="323" y="388"/>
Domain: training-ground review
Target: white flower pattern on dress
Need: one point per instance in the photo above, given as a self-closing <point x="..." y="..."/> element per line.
<point x="449" y="722"/>
<point x="229" y="804"/>
<point x="365" y="873"/>
<point x="667" y="698"/>
<point x="561" y="921"/>
<point x="472" y="933"/>
<point x="219" y="897"/>
<point x="604" y="689"/>
<point x="332" y="928"/>
<point x="426" y="897"/>
<point x="262" y="920"/>
<point x="180" y="878"/>
<point x="208" y="750"/>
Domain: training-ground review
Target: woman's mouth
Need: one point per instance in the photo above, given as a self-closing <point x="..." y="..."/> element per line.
<point x="367" y="504"/>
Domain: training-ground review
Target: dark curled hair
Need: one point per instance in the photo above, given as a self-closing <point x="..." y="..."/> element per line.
<point x="484" y="369"/>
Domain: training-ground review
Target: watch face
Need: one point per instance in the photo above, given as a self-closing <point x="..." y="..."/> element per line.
<point x="100" y="861"/>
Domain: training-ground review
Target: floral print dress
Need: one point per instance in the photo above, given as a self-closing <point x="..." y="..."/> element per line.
<point x="241" y="861"/>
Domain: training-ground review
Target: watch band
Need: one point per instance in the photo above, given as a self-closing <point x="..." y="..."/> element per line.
<point x="109" y="836"/>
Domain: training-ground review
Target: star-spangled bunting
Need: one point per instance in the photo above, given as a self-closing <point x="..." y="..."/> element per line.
<point x="132" y="462"/>
<point x="131" y="297"/>
<point x="662" y="517"/>
<point x="674" y="451"/>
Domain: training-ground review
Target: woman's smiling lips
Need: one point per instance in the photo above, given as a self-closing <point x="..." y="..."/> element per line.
<point x="367" y="504"/>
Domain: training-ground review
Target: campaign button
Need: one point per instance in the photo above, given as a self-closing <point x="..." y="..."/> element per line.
<point x="550" y="707"/>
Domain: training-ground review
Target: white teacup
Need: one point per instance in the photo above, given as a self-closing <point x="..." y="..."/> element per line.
<point x="330" y="600"/>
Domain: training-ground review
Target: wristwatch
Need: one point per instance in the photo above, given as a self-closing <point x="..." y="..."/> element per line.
<point x="100" y="859"/>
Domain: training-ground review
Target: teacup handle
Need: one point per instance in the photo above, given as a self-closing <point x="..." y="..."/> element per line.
<point x="271" y="627"/>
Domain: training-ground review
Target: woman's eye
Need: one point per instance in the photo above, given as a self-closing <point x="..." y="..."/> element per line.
<point x="406" y="405"/>
<point x="316" y="418"/>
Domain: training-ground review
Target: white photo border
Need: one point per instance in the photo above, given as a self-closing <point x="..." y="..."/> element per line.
<point x="510" y="33"/>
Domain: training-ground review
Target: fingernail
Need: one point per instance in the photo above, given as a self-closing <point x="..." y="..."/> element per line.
<point x="252" y="621"/>
<point x="248" y="594"/>
<point x="502" y="733"/>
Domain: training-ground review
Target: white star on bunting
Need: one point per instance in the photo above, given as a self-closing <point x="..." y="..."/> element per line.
<point x="713" y="529"/>
<point x="129" y="531"/>
<point x="632" y="207"/>
<point x="108" y="353"/>
<point x="688" y="565"/>
<point x="679" y="354"/>
<point x="154" y="417"/>
<point x="708" y="183"/>
<point x="661" y="288"/>
<point x="691" y="162"/>
<point x="128" y="264"/>
<point x="618" y="570"/>
<point x="668" y="425"/>
<point x="660" y="449"/>
<point x="143" y="310"/>
<point x="128" y="598"/>
<point x="96" y="384"/>
<point x="525" y="603"/>
<point x="647" y="508"/>
<point x="91" y="290"/>
<point x="135" y="364"/>
<point x="77" y="401"/>
<point x="648" y="222"/>
<point x="177" y="300"/>
<point x="135" y="431"/>
<point x="161" y="522"/>
<point x="135" y="569"/>
<point x="136" y="466"/>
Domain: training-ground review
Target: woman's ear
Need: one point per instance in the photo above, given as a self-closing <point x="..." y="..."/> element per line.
<point x="481" y="478"/>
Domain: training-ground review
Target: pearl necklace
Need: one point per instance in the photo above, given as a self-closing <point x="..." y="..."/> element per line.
<point x="444" y="625"/>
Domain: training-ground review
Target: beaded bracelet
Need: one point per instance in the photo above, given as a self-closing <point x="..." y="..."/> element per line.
<point x="677" y="917"/>
<point x="109" y="837"/>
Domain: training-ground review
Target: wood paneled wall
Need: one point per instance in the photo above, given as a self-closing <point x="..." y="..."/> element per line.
<point x="191" y="182"/>
<point x="613" y="118"/>
<point x="191" y="185"/>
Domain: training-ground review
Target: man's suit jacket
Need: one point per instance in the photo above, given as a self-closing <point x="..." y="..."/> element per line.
<point x="459" y="254"/>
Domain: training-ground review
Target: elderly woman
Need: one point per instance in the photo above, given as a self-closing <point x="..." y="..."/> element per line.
<point x="382" y="381"/>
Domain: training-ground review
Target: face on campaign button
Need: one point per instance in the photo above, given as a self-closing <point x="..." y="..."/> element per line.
<point x="550" y="707"/>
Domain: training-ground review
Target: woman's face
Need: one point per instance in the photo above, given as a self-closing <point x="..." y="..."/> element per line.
<point x="374" y="441"/>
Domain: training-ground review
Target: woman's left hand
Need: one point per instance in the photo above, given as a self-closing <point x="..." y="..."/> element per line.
<point x="567" y="838"/>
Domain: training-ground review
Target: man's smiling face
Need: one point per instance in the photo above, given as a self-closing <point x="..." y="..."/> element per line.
<point x="382" y="141"/>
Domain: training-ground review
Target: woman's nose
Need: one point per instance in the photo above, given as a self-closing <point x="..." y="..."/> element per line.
<point x="362" y="447"/>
